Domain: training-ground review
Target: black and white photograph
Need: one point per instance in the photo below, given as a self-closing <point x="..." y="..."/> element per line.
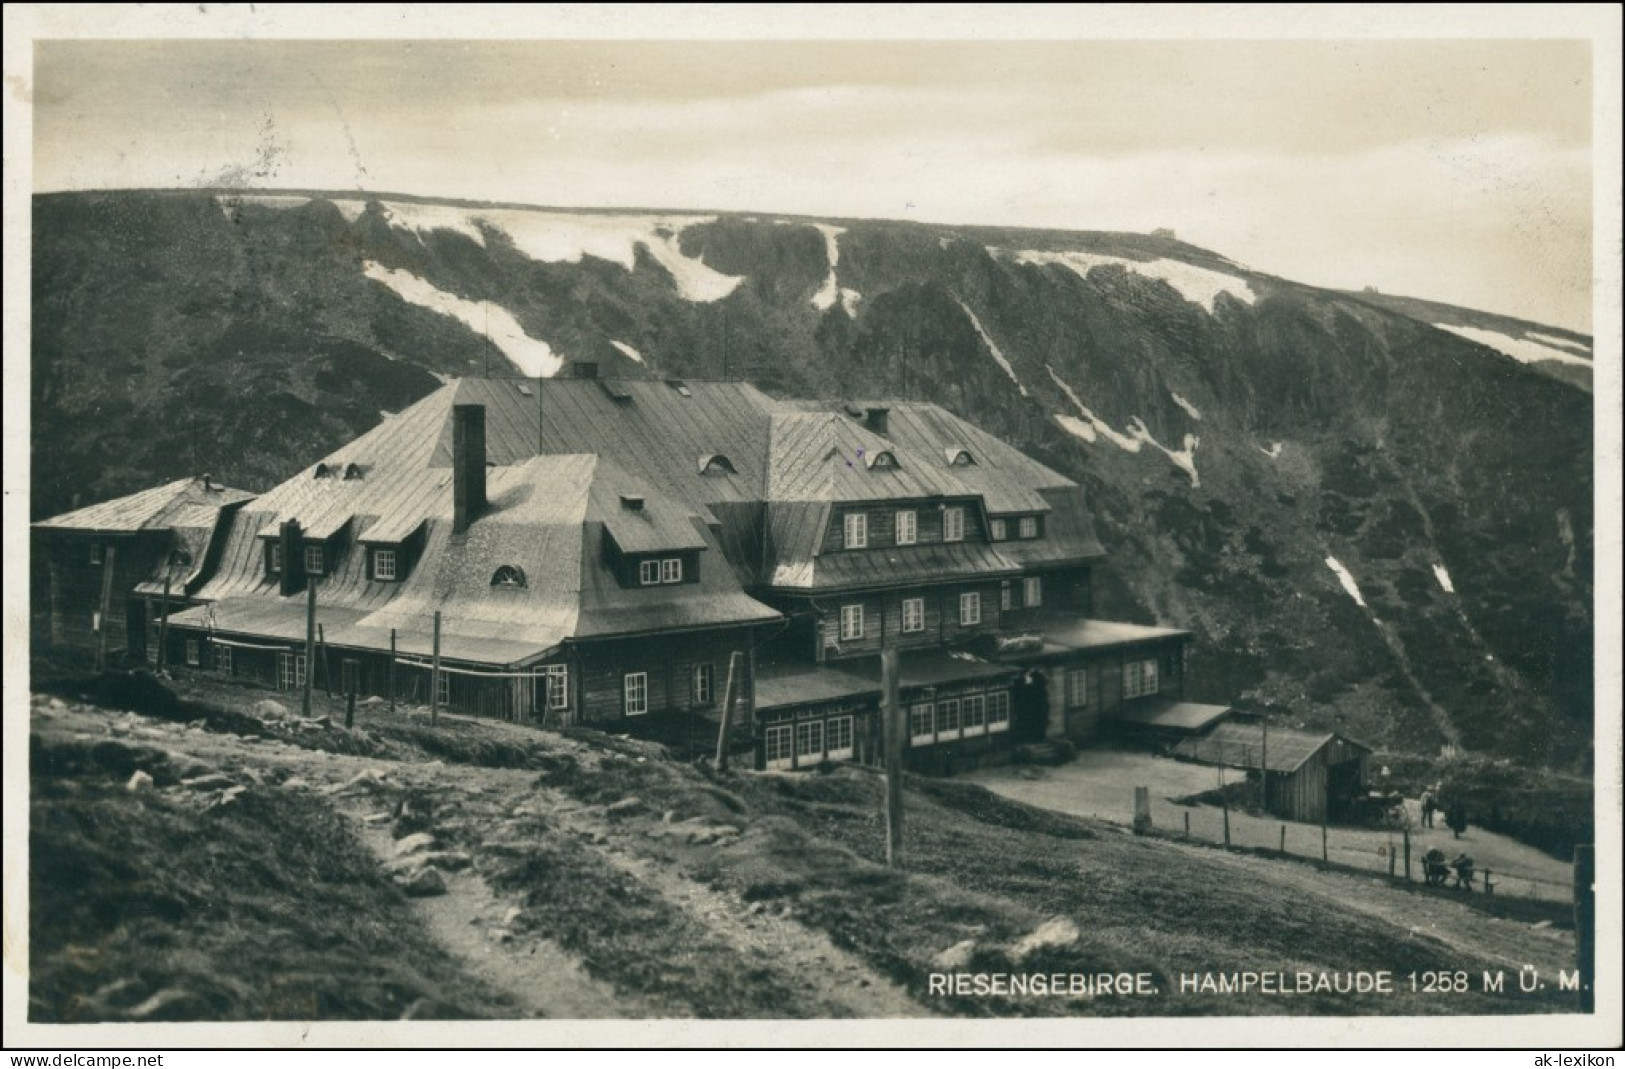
<point x="812" y="526"/>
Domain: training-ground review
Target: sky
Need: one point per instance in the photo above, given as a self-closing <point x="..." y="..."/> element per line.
<point x="1454" y="170"/>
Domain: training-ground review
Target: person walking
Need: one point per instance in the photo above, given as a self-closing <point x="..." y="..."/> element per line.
<point x="1428" y="806"/>
<point x="1456" y="817"/>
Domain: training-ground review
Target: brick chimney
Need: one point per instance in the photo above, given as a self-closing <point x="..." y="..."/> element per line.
<point x="467" y="465"/>
<point x="874" y="419"/>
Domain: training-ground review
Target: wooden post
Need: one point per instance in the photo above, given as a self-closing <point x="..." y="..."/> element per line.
<point x="1187" y="823"/>
<point x="1585" y="918"/>
<point x="1323" y="852"/>
<point x="1283" y="840"/>
<point x="1393" y="858"/>
<point x="349" y="707"/>
<point x="327" y="669"/>
<point x="163" y="627"/>
<point x="891" y="713"/>
<point x="1407" y="833"/>
<point x="1142" y="810"/>
<point x="1264" y="767"/>
<point x="392" y="669"/>
<point x="734" y="660"/>
<point x="310" y="643"/>
<point x="109" y="559"/>
<point x="1227" y="824"/>
<point x="434" y="674"/>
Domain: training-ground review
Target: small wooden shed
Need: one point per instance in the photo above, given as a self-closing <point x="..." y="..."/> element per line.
<point x="1307" y="777"/>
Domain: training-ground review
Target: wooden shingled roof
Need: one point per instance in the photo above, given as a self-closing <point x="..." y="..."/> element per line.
<point x="1242" y="745"/>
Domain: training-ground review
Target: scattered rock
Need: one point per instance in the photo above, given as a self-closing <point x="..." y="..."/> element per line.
<point x="500" y="935"/>
<point x="668" y="816"/>
<point x="366" y="775"/>
<point x="214" y="781"/>
<point x="168" y="997"/>
<point x="1055" y="932"/>
<point x="1538" y="925"/>
<point x="956" y="957"/>
<point x="266" y="709"/>
<point x="370" y="818"/>
<point x="450" y="860"/>
<point x="57" y="705"/>
<point x="139" y="781"/>
<point x="411" y="844"/>
<point x="422" y="883"/>
<point x="513" y="914"/>
<point x="300" y="783"/>
<point x="373" y="700"/>
<point x="629" y="804"/>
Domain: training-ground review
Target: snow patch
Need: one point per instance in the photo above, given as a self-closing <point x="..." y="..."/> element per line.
<point x="350" y="209"/>
<point x="1272" y="452"/>
<point x="530" y="355"/>
<point x="1190" y="410"/>
<point x="427" y="218"/>
<point x="1443" y="577"/>
<point x="1520" y="349"/>
<point x="992" y="348"/>
<point x="627" y="350"/>
<point x="1196" y="284"/>
<point x="1562" y="343"/>
<point x="1347" y="580"/>
<point x="1091" y="427"/>
<point x="832" y="291"/>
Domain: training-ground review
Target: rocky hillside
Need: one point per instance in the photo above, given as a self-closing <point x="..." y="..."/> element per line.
<point x="1370" y="522"/>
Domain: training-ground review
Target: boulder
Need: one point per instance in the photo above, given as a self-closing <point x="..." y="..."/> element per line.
<point x="139" y="781"/>
<point x="627" y="805"/>
<point x="413" y="843"/>
<point x="1055" y="932"/>
<point x="956" y="957"/>
<point x="213" y="781"/>
<point x="422" y="883"/>
<point x="449" y="860"/>
<point x="266" y="709"/>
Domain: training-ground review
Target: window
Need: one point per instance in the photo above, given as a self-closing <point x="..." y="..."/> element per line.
<point x="998" y="711"/>
<point x="882" y="460"/>
<point x="508" y="575"/>
<point x="998" y="530"/>
<point x="705" y="684"/>
<point x="960" y="458"/>
<point x="907" y="527"/>
<point x="913" y="615"/>
<point x="194" y="652"/>
<point x="779" y="746"/>
<point x="838" y="736"/>
<point x="313" y="560"/>
<point x="222" y="660"/>
<point x="95" y="553"/>
<point x="442" y="688"/>
<point x="920" y="730"/>
<point x="851" y="622"/>
<point x="1006" y="597"/>
<point x="973" y="711"/>
<point x="671" y="570"/>
<point x="1077" y="688"/>
<point x="856" y="530"/>
<point x="1139" y="678"/>
<point x="953" y="524"/>
<point x="717" y="464"/>
<point x="558" y="686"/>
<point x="1032" y="592"/>
<point x="649" y="572"/>
<point x="290" y="671"/>
<point x="970" y="609"/>
<point x="948" y="718"/>
<point x="635" y="686"/>
<point x="810" y="739"/>
<point x="383" y="564"/>
<point x="1029" y="527"/>
<point x="273" y="556"/>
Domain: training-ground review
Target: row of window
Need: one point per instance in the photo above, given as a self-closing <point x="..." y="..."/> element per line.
<point x="949" y="719"/>
<point x="809" y="741"/>
<point x="1139" y="680"/>
<point x="702" y="684"/>
<point x="853" y="620"/>
<point x="905" y="527"/>
<point x="1026" y="527"/>
<point x="656" y="572"/>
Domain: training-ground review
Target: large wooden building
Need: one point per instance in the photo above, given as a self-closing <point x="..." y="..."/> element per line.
<point x="592" y="551"/>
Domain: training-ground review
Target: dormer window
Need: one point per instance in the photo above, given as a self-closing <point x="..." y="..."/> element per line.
<point x="998" y="530"/>
<point x="179" y="558"/>
<point x="353" y="471"/>
<point x="322" y="472"/>
<point x="508" y="576"/>
<point x="953" y="524"/>
<point x="855" y="533"/>
<point x="273" y="557"/>
<point x="717" y="464"/>
<point x="656" y="572"/>
<point x="383" y="564"/>
<point x="882" y="460"/>
<point x="959" y="457"/>
<point x="1028" y="527"/>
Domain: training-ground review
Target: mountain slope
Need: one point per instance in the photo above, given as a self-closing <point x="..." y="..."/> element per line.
<point x="1370" y="522"/>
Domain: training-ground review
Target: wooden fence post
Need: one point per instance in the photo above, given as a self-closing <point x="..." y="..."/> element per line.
<point x="1323" y="852"/>
<point x="1407" y="833"/>
<point x="352" y="678"/>
<point x="1227" y="825"/>
<point x="1283" y="840"/>
<point x="734" y="660"/>
<point x="434" y="674"/>
<point x="891" y="716"/>
<point x="1187" y="823"/>
<point x="392" y="669"/>
<point x="310" y="642"/>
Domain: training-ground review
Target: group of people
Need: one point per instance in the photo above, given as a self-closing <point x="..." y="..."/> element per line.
<point x="1455" y="813"/>
<point x="1435" y="869"/>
